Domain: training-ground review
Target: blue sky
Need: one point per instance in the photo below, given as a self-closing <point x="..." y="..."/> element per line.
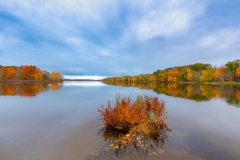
<point x="118" y="37"/>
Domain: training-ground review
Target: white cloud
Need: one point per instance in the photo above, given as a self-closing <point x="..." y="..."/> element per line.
<point x="57" y="13"/>
<point x="107" y="53"/>
<point x="167" y="18"/>
<point x="220" y="39"/>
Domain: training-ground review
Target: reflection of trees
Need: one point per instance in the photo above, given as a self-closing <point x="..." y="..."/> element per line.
<point x="26" y="89"/>
<point x="194" y="92"/>
<point x="30" y="90"/>
<point x="8" y="90"/>
<point x="56" y="86"/>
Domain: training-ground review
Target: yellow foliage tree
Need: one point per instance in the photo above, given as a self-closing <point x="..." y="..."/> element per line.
<point x="208" y="75"/>
<point x="152" y="77"/>
<point x="134" y="79"/>
<point x="38" y="75"/>
<point x="56" y="76"/>
<point x="189" y="74"/>
<point x="123" y="78"/>
<point x="238" y="71"/>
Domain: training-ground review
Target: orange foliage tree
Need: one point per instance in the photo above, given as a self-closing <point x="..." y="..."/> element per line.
<point x="8" y="72"/>
<point x="27" y="72"/>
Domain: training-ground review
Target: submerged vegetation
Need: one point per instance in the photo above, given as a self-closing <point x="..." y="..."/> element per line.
<point x="26" y="72"/>
<point x="134" y="125"/>
<point x="197" y="72"/>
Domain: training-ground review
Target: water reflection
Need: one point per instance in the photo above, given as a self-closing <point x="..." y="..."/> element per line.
<point x="196" y="92"/>
<point x="27" y="89"/>
<point x="132" y="143"/>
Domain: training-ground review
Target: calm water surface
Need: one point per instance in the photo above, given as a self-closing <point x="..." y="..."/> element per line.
<point x="60" y="121"/>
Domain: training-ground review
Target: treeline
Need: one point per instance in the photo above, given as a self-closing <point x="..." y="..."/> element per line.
<point x="26" y="72"/>
<point x="197" y="72"/>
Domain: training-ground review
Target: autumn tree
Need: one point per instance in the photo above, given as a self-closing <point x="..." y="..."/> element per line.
<point x="142" y="77"/>
<point x="133" y="78"/>
<point x="56" y="76"/>
<point x="182" y="76"/>
<point x="38" y="74"/>
<point x="123" y="78"/>
<point x="28" y="72"/>
<point x="238" y="73"/>
<point x="198" y="67"/>
<point x="208" y="75"/>
<point x="8" y="72"/>
<point x="152" y="77"/>
<point x="1" y="70"/>
<point x="232" y="66"/>
<point x="160" y="75"/>
<point x="216" y="74"/>
<point x="189" y="74"/>
<point x="172" y="75"/>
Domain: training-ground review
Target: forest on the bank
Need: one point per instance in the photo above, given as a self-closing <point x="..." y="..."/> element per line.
<point x="27" y="72"/>
<point x="197" y="72"/>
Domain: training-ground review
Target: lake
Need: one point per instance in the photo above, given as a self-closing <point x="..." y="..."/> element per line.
<point x="41" y="121"/>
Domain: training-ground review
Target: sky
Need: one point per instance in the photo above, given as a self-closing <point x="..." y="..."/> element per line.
<point x="118" y="37"/>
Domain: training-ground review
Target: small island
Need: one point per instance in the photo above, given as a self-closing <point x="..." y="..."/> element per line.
<point x="28" y="73"/>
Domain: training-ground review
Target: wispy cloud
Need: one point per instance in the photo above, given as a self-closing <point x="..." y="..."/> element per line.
<point x="164" y="18"/>
<point x="221" y="39"/>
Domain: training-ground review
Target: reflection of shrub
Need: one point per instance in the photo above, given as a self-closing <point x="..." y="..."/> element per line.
<point x="127" y="114"/>
<point x="134" y="141"/>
